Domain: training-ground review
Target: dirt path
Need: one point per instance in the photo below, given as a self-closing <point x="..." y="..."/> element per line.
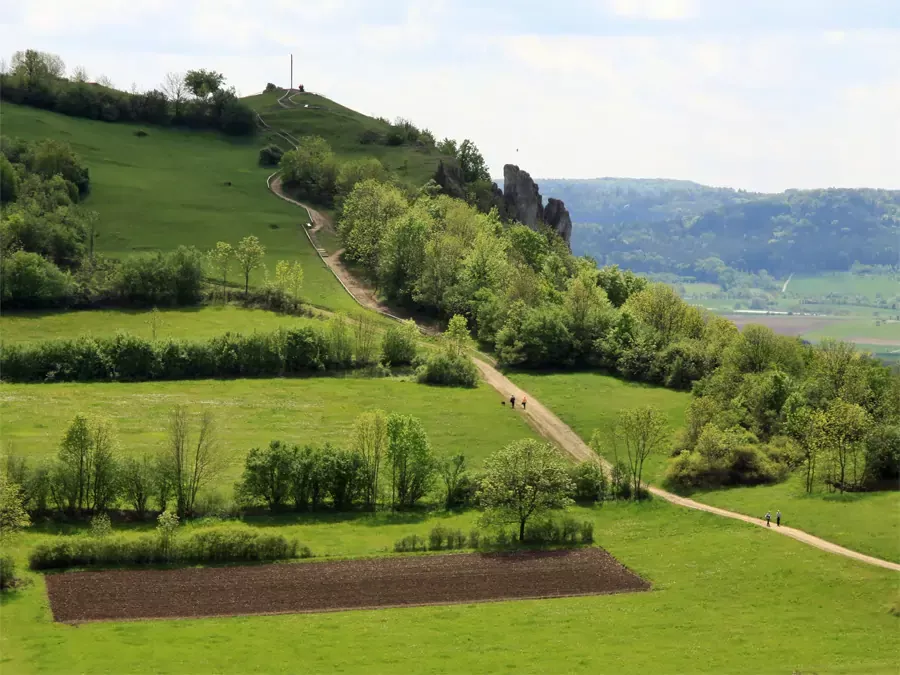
<point x="541" y="418"/>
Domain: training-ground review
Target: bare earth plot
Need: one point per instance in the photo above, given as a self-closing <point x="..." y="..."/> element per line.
<point x="339" y="585"/>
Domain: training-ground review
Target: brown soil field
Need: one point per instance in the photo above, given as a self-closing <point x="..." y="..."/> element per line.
<point x="117" y="595"/>
<point x="781" y="323"/>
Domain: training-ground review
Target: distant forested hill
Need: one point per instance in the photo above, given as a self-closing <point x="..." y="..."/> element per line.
<point x="684" y="228"/>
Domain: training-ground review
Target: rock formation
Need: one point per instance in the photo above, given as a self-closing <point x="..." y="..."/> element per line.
<point x="519" y="201"/>
<point x="525" y="204"/>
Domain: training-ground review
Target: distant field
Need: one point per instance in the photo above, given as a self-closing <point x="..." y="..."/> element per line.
<point x="725" y="598"/>
<point x="845" y="283"/>
<point x="171" y="188"/>
<point x="188" y="323"/>
<point x="251" y="413"/>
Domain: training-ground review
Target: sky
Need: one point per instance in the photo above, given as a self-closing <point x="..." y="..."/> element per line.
<point x="757" y="94"/>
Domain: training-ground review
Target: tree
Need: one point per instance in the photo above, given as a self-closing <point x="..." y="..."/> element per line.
<point x="137" y="482"/>
<point x="203" y="83"/>
<point x="9" y="181"/>
<point x="79" y="74"/>
<point x="268" y="474"/>
<point x="472" y="163"/>
<point x="368" y="209"/>
<point x="174" y="88"/>
<point x="365" y="332"/>
<point x="249" y="254"/>
<point x="220" y="258"/>
<point x="845" y="428"/>
<point x="104" y="81"/>
<point x="370" y="443"/>
<point x="311" y="169"/>
<point x="640" y="432"/>
<point x="85" y="477"/>
<point x="398" y="346"/>
<point x="192" y="462"/>
<point x="358" y="170"/>
<point x="525" y="479"/>
<point x="13" y="516"/>
<point x="411" y="459"/>
<point x="453" y="474"/>
<point x="34" y="67"/>
<point x="456" y="338"/>
<point x="289" y="278"/>
<point x="659" y="306"/>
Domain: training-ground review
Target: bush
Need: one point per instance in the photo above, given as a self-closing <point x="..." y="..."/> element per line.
<point x="270" y="155"/>
<point x="590" y="482"/>
<point x="27" y="280"/>
<point x="448" y="370"/>
<point x="208" y="545"/>
<point x="164" y="279"/>
<point x="8" y="577"/>
<point x="410" y="543"/>
<point x="398" y="347"/>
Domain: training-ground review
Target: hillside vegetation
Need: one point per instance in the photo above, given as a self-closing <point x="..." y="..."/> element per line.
<point x="688" y="229"/>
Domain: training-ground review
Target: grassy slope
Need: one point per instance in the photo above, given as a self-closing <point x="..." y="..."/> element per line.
<point x="250" y="413"/>
<point x="342" y="127"/>
<point x="167" y="189"/>
<point x="726" y="598"/>
<point x="589" y="401"/>
<point x="195" y="323"/>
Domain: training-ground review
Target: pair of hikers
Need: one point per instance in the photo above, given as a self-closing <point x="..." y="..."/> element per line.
<point x="512" y="401"/>
<point x="769" y="518"/>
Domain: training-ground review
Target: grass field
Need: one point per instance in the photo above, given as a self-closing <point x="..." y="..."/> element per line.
<point x="586" y="401"/>
<point x="726" y="598"/>
<point x="342" y="128"/>
<point x="187" y="323"/>
<point x="591" y="401"/>
<point x="250" y="413"/>
<point x="845" y="283"/>
<point x="169" y="188"/>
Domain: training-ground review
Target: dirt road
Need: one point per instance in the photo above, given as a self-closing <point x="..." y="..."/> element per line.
<point x="549" y="425"/>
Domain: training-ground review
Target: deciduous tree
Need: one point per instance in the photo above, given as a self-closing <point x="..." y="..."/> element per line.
<point x="249" y="254"/>
<point x="639" y="433"/>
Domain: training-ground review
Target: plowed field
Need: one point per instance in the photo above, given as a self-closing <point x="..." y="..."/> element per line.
<point x="116" y="595"/>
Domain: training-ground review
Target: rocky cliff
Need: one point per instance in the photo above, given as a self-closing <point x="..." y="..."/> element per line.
<point x="524" y="203"/>
<point x="520" y="199"/>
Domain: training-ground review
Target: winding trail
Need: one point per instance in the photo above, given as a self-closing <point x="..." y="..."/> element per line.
<point x="539" y="416"/>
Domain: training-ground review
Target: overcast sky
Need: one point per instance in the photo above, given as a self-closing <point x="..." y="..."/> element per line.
<point x="755" y="94"/>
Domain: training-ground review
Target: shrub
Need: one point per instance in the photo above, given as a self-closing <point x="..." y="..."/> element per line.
<point x="436" y="538"/>
<point x="27" y="280"/>
<point x="590" y="482"/>
<point x="270" y="155"/>
<point x="448" y="370"/>
<point x="398" y="347"/>
<point x="140" y="133"/>
<point x="8" y="577"/>
<point x="410" y="543"/>
<point x="217" y="544"/>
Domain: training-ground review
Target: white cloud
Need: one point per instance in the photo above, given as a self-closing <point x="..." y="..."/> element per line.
<point x="834" y="37"/>
<point x="656" y="10"/>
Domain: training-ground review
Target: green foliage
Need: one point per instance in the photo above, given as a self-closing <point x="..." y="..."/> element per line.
<point x="249" y="253"/>
<point x="29" y="281"/>
<point x="203" y="545"/>
<point x="270" y="155"/>
<point x="311" y="169"/>
<point x="13" y="516"/>
<point x="163" y="279"/>
<point x="8" y="576"/>
<point x="444" y="369"/>
<point x="590" y="481"/>
<point x="9" y="181"/>
<point x="411" y="460"/>
<point x="366" y="213"/>
<point x="688" y="229"/>
<point x="398" y="346"/>
<point x="203" y="83"/>
<point x="524" y="480"/>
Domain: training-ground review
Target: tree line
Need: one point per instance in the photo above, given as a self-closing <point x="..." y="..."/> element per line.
<point x="195" y="99"/>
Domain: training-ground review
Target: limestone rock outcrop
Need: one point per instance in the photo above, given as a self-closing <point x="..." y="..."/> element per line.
<point x="525" y="204"/>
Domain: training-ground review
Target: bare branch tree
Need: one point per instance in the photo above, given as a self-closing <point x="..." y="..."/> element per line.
<point x="174" y="88"/>
<point x="104" y="81"/>
<point x="193" y="463"/>
<point x="79" y="74"/>
<point x="641" y="432"/>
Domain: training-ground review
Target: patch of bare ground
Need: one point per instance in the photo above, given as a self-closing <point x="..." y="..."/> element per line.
<point x="118" y="595"/>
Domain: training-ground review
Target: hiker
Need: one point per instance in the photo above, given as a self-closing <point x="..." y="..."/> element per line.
<point x="512" y="401"/>
<point x="768" y="519"/>
<point x="524" y="401"/>
<point x="778" y="518"/>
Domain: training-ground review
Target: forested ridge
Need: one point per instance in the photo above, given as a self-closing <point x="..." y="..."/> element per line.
<point x="684" y="228"/>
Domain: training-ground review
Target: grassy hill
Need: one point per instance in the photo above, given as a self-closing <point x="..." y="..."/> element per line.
<point x="175" y="187"/>
<point x="343" y="128"/>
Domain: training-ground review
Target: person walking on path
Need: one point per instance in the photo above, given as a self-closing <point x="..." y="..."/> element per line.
<point x="524" y="401"/>
<point x="778" y="518"/>
<point x="512" y="401"/>
<point x="768" y="519"/>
